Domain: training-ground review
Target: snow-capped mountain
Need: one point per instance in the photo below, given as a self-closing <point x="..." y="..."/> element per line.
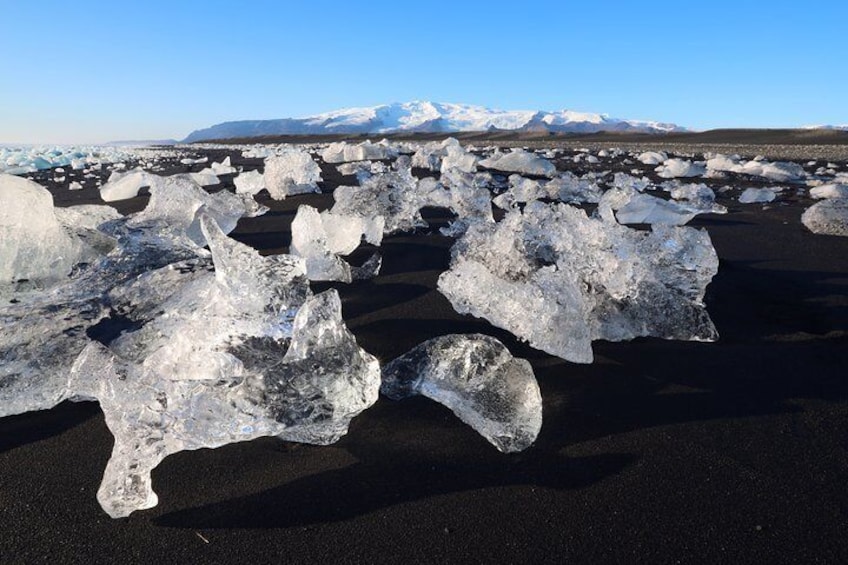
<point x="840" y="127"/>
<point x="428" y="117"/>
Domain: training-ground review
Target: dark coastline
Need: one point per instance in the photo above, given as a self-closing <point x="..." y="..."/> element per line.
<point x="660" y="451"/>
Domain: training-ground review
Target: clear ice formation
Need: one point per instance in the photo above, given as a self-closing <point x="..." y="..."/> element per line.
<point x="250" y="182"/>
<point x="520" y="161"/>
<point x="45" y="331"/>
<point x="291" y="172"/>
<point x="123" y="186"/>
<point x="343" y="152"/>
<point x="243" y="352"/>
<point x="757" y="195"/>
<point x="640" y="208"/>
<point x="479" y="380"/>
<point x="830" y="190"/>
<point x="35" y="248"/>
<point x="828" y="217"/>
<point x="559" y="279"/>
<point x="676" y="168"/>
<point x="321" y="238"/>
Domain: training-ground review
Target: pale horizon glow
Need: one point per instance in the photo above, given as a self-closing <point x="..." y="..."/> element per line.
<point x="98" y="71"/>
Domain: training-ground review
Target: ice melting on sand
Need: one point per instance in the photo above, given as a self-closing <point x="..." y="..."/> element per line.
<point x="559" y="279"/>
<point x="828" y="217"/>
<point x="242" y="353"/>
<point x="520" y="161"/>
<point x="479" y="380"/>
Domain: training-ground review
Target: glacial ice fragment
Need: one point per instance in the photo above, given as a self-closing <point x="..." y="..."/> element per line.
<point x="343" y="152"/>
<point x="291" y="172"/>
<point x="675" y="168"/>
<point x="250" y="182"/>
<point x="33" y="244"/>
<point x="828" y="217"/>
<point x="321" y="238"/>
<point x="755" y="195"/>
<point x="123" y="186"/>
<point x="479" y="380"/>
<point x="520" y="161"/>
<point x="831" y="190"/>
<point x="558" y="279"/>
<point x="241" y="353"/>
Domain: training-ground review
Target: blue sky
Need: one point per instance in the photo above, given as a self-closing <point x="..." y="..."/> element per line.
<point x="86" y="71"/>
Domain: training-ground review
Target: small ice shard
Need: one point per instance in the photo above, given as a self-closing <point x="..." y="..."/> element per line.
<point x="754" y="195"/>
<point x="123" y="186"/>
<point x="292" y="172"/>
<point x="343" y="152"/>
<point x="225" y="167"/>
<point x="572" y="189"/>
<point x="206" y="177"/>
<point x="197" y="161"/>
<point x="520" y="161"/>
<point x="250" y="182"/>
<point x="652" y="158"/>
<point x="558" y="279"/>
<point x="647" y="209"/>
<point x="479" y="380"/>
<point x="75" y="185"/>
<point x="321" y="238"/>
<point x="828" y="217"/>
<point x="465" y="194"/>
<point x="832" y="190"/>
<point x="33" y="244"/>
<point x="675" y="168"/>
<point x="227" y="363"/>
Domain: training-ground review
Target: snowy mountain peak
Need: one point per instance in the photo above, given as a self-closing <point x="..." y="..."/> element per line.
<point x="424" y="116"/>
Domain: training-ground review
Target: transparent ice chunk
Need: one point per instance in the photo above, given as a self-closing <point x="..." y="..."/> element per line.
<point x="559" y="279"/>
<point x="479" y="380"/>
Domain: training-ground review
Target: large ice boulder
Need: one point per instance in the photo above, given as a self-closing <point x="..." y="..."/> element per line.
<point x="33" y="244"/>
<point x="559" y="279"/>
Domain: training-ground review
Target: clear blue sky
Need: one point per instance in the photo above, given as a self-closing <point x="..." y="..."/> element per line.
<point x="89" y="71"/>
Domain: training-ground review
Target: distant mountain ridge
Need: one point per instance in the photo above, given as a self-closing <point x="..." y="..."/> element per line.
<point x="429" y="117"/>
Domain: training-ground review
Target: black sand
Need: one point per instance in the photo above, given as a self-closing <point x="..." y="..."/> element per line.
<point x="659" y="452"/>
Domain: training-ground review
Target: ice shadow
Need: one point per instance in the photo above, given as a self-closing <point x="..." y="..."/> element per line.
<point x="30" y="427"/>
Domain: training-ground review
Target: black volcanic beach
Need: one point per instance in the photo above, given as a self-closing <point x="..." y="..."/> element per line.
<point x="658" y="452"/>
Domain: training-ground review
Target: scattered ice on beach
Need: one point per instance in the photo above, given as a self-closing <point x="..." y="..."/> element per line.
<point x="832" y="190"/>
<point x="479" y="380"/>
<point x="457" y="159"/>
<point x="779" y="171"/>
<point x="321" y="238"/>
<point x="559" y="279"/>
<point x="291" y="172"/>
<point x="677" y="168"/>
<point x="206" y="177"/>
<point x="828" y="217"/>
<point x="755" y="195"/>
<point x="520" y="161"/>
